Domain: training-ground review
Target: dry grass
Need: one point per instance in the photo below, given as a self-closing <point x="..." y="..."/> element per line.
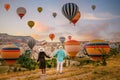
<point x="13" y="74"/>
<point x="3" y="69"/>
<point x="86" y="72"/>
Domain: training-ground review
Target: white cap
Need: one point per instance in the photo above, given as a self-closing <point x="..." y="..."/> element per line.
<point x="60" y="47"/>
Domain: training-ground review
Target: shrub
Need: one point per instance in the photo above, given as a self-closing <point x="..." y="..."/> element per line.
<point x="51" y="63"/>
<point x="26" y="62"/>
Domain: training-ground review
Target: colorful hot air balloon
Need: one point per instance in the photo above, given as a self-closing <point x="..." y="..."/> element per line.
<point x="72" y="47"/>
<point x="62" y="39"/>
<point x="31" y="43"/>
<point x="96" y="48"/>
<point x="7" y="6"/>
<point x="54" y="14"/>
<point x="31" y="24"/>
<point x="21" y="11"/>
<point x="93" y="7"/>
<point x="51" y="36"/>
<point x="39" y="9"/>
<point x="76" y="18"/>
<point x="69" y="37"/>
<point x="10" y="53"/>
<point x="69" y="10"/>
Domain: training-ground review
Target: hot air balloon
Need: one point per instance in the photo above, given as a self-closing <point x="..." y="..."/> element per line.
<point x="21" y="11"/>
<point x="54" y="14"/>
<point x="69" y="37"/>
<point x="69" y="10"/>
<point x="96" y="49"/>
<point x="39" y="9"/>
<point x="93" y="7"/>
<point x="62" y="39"/>
<point x="51" y="36"/>
<point x="10" y="53"/>
<point x="31" y="43"/>
<point x="31" y="24"/>
<point x="76" y="18"/>
<point x="72" y="47"/>
<point x="7" y="6"/>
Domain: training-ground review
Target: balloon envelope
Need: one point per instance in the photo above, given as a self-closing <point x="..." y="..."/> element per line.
<point x="93" y="7"/>
<point x="10" y="53"/>
<point x="62" y="39"/>
<point x="31" y="43"/>
<point x="69" y="10"/>
<point x="31" y="24"/>
<point x="72" y="47"/>
<point x="21" y="11"/>
<point x="97" y="48"/>
<point x="69" y="37"/>
<point x="76" y="18"/>
<point x="54" y="14"/>
<point x="39" y="9"/>
<point x="7" y="6"/>
<point x="51" y="36"/>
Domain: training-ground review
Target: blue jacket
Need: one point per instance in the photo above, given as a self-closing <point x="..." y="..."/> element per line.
<point x="61" y="54"/>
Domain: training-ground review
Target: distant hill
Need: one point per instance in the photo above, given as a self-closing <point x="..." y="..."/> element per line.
<point x="5" y="38"/>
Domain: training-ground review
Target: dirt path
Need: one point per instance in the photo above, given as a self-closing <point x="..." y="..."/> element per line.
<point x="76" y="77"/>
<point x="68" y="73"/>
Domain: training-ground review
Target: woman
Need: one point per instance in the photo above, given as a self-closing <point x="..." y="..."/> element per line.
<point x="61" y="54"/>
<point x="41" y="59"/>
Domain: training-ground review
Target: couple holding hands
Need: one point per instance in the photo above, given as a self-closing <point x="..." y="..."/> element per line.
<point x="61" y="54"/>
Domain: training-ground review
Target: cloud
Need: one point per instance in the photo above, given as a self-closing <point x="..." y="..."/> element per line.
<point x="90" y="31"/>
<point x="100" y="16"/>
<point x="108" y="15"/>
<point x="42" y="27"/>
<point x="90" y="16"/>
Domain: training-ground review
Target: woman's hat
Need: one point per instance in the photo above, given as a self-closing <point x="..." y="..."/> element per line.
<point x="41" y="49"/>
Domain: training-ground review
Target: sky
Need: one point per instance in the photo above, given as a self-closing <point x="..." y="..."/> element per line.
<point x="101" y="23"/>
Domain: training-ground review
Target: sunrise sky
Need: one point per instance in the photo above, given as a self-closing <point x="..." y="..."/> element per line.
<point x="101" y="23"/>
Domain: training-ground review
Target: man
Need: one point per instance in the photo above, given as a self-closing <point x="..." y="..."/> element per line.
<point x="61" y="54"/>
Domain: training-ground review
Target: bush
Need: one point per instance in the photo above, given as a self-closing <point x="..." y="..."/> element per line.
<point x="113" y="52"/>
<point x="51" y="63"/>
<point x="26" y="62"/>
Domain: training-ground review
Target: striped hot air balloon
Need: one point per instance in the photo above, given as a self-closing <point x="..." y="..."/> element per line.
<point x="72" y="47"/>
<point x="76" y="18"/>
<point x="21" y="11"/>
<point x="69" y="10"/>
<point x="96" y="48"/>
<point x="10" y="53"/>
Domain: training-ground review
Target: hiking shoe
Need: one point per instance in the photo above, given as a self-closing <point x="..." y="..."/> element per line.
<point x="44" y="74"/>
<point x="61" y="73"/>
